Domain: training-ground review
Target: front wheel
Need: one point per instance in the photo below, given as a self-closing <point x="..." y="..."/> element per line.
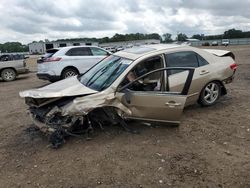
<point x="210" y="94"/>
<point x="8" y="75"/>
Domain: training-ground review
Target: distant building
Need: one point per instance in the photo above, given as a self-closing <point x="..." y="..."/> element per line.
<point x="236" y="41"/>
<point x="37" y="48"/>
<point x="41" y="47"/>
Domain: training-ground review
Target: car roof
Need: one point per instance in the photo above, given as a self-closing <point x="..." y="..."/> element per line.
<point x="63" y="50"/>
<point x="139" y="51"/>
<point x="70" y="47"/>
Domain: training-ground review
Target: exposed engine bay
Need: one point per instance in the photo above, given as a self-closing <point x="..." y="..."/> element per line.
<point x="47" y="115"/>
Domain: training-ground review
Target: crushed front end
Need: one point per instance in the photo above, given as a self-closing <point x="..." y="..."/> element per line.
<point x="59" y="118"/>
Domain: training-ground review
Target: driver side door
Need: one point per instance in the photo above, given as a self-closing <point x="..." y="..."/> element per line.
<point x="153" y="104"/>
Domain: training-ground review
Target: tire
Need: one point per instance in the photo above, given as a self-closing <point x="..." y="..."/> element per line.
<point x="210" y="94"/>
<point x="8" y="75"/>
<point x="69" y="72"/>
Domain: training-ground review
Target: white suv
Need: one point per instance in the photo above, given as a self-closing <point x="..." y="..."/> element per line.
<point x="69" y="61"/>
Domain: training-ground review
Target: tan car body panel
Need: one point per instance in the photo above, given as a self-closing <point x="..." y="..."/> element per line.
<point x="199" y="81"/>
<point x="83" y="105"/>
<point x="154" y="107"/>
<point x="143" y="106"/>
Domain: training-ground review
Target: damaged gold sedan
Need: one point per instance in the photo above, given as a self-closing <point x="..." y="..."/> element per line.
<point x="149" y="83"/>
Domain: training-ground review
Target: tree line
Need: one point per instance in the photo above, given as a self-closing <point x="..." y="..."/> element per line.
<point x="165" y="38"/>
<point x="229" y="34"/>
<point x="10" y="47"/>
<point x="118" y="37"/>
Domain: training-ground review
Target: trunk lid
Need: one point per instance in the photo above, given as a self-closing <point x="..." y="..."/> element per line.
<point x="220" y="53"/>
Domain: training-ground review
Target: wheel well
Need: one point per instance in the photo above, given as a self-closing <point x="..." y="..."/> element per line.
<point x="7" y="68"/>
<point x="70" y="67"/>
<point x="223" y="89"/>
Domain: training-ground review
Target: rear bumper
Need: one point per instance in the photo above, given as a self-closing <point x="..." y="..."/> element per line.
<point x="23" y="71"/>
<point x="229" y="79"/>
<point x="44" y="76"/>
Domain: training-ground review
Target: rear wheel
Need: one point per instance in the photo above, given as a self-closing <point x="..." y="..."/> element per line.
<point x="210" y="94"/>
<point x="69" y="72"/>
<point x="8" y="75"/>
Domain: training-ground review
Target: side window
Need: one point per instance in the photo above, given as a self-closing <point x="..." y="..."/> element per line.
<point x="98" y="52"/>
<point x="181" y="59"/>
<point x="83" y="51"/>
<point x="201" y="60"/>
<point x="5" y="58"/>
<point x="148" y="83"/>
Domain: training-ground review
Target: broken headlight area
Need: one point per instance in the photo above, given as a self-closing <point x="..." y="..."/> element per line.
<point x="40" y="102"/>
<point x="57" y="127"/>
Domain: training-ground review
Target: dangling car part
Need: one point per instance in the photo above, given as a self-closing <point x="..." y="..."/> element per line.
<point x="58" y="127"/>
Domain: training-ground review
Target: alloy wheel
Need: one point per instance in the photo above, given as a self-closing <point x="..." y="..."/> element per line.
<point x="69" y="74"/>
<point x="211" y="93"/>
<point x="8" y="75"/>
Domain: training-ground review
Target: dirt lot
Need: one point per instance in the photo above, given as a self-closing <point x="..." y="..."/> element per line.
<point x="211" y="147"/>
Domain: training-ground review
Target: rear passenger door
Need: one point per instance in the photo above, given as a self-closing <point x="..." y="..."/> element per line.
<point x="177" y="78"/>
<point x="81" y="58"/>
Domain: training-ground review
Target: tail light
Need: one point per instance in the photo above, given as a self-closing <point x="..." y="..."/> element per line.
<point x="52" y="59"/>
<point x="233" y="66"/>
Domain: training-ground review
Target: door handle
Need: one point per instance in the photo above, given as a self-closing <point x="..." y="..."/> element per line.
<point x="172" y="104"/>
<point x="204" y="72"/>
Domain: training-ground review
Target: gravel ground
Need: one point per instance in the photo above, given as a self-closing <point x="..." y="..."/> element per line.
<point x="210" y="148"/>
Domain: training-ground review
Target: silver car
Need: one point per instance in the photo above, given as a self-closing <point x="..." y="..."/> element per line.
<point x="11" y="66"/>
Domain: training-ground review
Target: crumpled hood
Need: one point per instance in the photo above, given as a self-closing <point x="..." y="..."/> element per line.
<point x="67" y="87"/>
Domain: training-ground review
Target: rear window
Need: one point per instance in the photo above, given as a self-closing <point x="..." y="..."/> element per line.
<point x="11" y="57"/>
<point x="79" y="52"/>
<point x="182" y="59"/>
<point x="98" y="52"/>
<point x="52" y="51"/>
<point x="47" y="55"/>
<point x="201" y="60"/>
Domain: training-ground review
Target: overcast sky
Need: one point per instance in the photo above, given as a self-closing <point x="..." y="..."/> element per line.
<point x="29" y="20"/>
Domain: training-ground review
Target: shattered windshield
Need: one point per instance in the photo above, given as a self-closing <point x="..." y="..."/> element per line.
<point x="105" y="73"/>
